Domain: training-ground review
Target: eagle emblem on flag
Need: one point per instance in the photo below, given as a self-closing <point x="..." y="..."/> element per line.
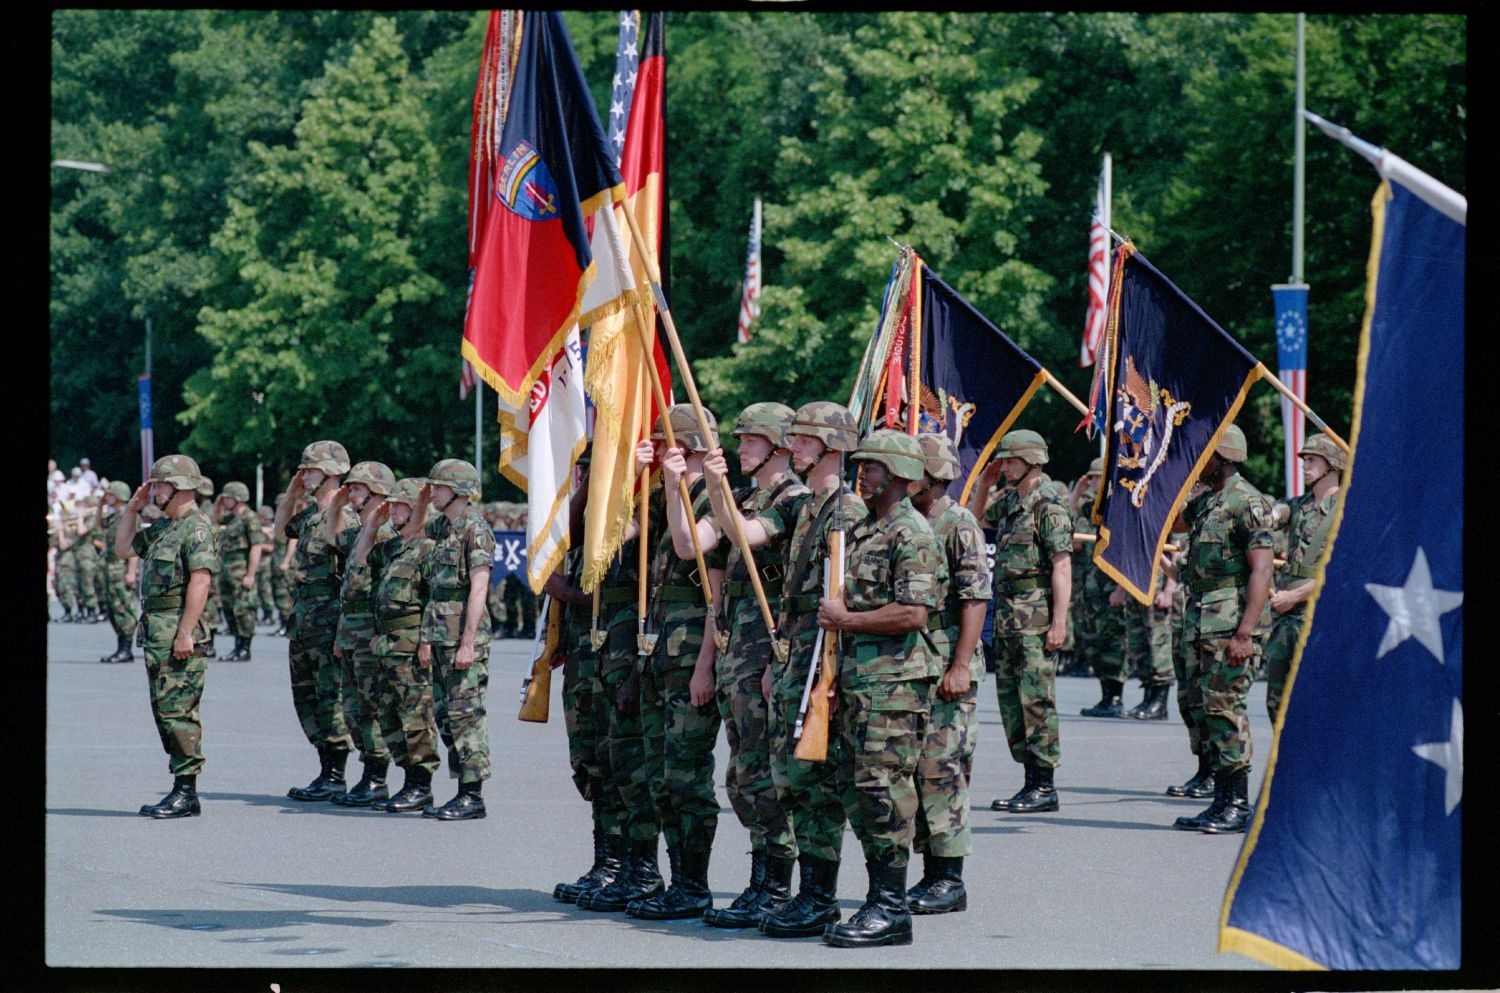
<point x="1147" y="417"/>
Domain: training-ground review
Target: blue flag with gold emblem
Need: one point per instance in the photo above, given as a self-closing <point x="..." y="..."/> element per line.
<point x="1176" y="381"/>
<point x="1353" y="858"/>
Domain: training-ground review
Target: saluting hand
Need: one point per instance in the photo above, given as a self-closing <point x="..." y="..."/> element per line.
<point x="139" y="498"/>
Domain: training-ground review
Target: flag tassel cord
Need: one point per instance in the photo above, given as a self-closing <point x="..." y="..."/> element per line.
<point x="1300" y="405"/>
<point x="692" y="388"/>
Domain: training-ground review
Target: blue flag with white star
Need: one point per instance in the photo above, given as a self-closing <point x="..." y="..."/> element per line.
<point x="1353" y="858"/>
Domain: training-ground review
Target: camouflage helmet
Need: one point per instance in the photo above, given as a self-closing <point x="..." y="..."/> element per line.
<point x="238" y="491"/>
<point x="456" y="474"/>
<point x="939" y="455"/>
<point x="1026" y="445"/>
<point x="685" y="429"/>
<point x="406" y="490"/>
<point x="829" y="422"/>
<point x="266" y="512"/>
<point x="769" y="420"/>
<point x="328" y="456"/>
<point x="1232" y="446"/>
<point x="205" y="486"/>
<point x="1322" y="444"/>
<point x="896" y="450"/>
<point x="120" y="489"/>
<point x="1096" y="467"/>
<point x="376" y="475"/>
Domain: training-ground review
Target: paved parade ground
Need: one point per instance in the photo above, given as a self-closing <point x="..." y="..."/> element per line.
<point x="264" y="883"/>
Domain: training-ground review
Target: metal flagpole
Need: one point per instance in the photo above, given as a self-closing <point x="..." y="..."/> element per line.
<point x="1108" y="219"/>
<point x="478" y="424"/>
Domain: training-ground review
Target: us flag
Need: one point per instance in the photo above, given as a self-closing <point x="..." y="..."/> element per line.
<point x="750" y="296"/>
<point x="465" y="380"/>
<point x="1093" y="322"/>
<point x="627" y="62"/>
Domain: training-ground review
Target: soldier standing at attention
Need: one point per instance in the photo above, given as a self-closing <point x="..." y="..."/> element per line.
<point x="1033" y="586"/>
<point x="1200" y="785"/>
<point x="819" y="435"/>
<point x="1148" y="645"/>
<point x="392" y="545"/>
<point x="1099" y="627"/>
<point x="89" y="565"/>
<point x="120" y="574"/>
<point x="1307" y="535"/>
<point x="180" y="558"/>
<point x="316" y="675"/>
<point x="942" y="830"/>
<point x="265" y="595"/>
<point x="767" y="509"/>
<point x="1228" y="575"/>
<point x="215" y="606"/>
<point x="364" y="491"/>
<point x="888" y="669"/>
<point x="64" y="535"/>
<point x="240" y="549"/>
<point x="455" y="638"/>
<point x="679" y="716"/>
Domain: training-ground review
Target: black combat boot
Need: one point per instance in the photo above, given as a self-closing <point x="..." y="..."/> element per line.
<point x="1154" y="707"/>
<point x="1109" y="700"/>
<point x="639" y="879"/>
<point x="608" y="851"/>
<point x="330" y="779"/>
<point x="1213" y="811"/>
<point x="67" y="617"/>
<point x="122" y="652"/>
<point x="415" y="794"/>
<point x="815" y="906"/>
<point x="181" y="802"/>
<point x="674" y="872"/>
<point x="1140" y="708"/>
<point x="1200" y="786"/>
<point x="467" y="806"/>
<point x="1026" y="787"/>
<point x="369" y="789"/>
<point x="687" y="897"/>
<point x="1233" y="818"/>
<point x="942" y="888"/>
<point x="883" y="920"/>
<point x="241" y="651"/>
<point x="1041" y="797"/>
<point x="209" y="651"/>
<point x="745" y="911"/>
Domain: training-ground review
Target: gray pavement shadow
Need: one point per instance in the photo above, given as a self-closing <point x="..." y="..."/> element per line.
<point x="90" y="812"/>
<point x="228" y="921"/>
<point x="524" y="901"/>
<point x="290" y="806"/>
<point x="1078" y="822"/>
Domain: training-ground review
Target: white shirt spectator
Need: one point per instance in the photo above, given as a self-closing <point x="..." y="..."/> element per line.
<point x="90" y="477"/>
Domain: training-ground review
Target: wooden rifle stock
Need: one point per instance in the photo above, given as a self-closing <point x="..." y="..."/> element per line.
<point x="812" y="746"/>
<point x="536" y="690"/>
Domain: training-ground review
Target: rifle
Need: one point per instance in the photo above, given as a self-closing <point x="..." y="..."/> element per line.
<point x="536" y="688"/>
<point x="812" y="717"/>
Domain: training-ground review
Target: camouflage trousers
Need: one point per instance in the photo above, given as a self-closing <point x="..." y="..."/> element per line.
<point x="404" y="711"/>
<point x="1025" y="683"/>
<point x="124" y="603"/>
<point x="176" y="687"/>
<point x="1102" y="635"/>
<point x="1280" y="646"/>
<point x="883" y="727"/>
<point x="808" y="791"/>
<point x="239" y="602"/>
<point x="265" y="596"/>
<point x="520" y="604"/>
<point x="943" y="776"/>
<point x="679" y="739"/>
<point x="213" y="609"/>
<point x="281" y="592"/>
<point x="1216" y="700"/>
<point x="494" y="603"/>
<point x="586" y="710"/>
<point x="458" y="701"/>
<point x="318" y="677"/>
<point x="1148" y="643"/>
<point x="361" y="690"/>
<point x="88" y="583"/>
<point x="65" y="584"/>
<point x="746" y="714"/>
<point x="1189" y="703"/>
<point x="625" y="753"/>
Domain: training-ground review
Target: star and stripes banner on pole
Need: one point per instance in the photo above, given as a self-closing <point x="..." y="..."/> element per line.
<point x="1093" y="321"/>
<point x="1096" y="419"/>
<point x="1290" y="301"/>
<point x="547" y="259"/>
<point x="617" y="378"/>
<point x="1176" y="381"/>
<point x="750" y="295"/>
<point x="466" y="380"/>
<point x="1353" y="859"/>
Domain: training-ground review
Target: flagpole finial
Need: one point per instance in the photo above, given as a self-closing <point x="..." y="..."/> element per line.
<point x="1345" y="137"/>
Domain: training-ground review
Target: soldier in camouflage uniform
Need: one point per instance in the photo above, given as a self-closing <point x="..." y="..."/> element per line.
<point x="216" y="618"/>
<point x="1100" y="624"/>
<point x="391" y="547"/>
<point x="679" y="715"/>
<point x="1033" y="585"/>
<point x="283" y="576"/>
<point x="767" y="509"/>
<point x="265" y="594"/>
<point x="316" y="675"/>
<point x="1200" y="785"/>
<point x="179" y="558"/>
<point x="494" y="518"/>
<point x="455" y="638"/>
<point x="942" y="831"/>
<point x="120" y="574"/>
<point x="89" y="564"/>
<point x="64" y="536"/>
<point x="1148" y="646"/>
<point x="895" y="572"/>
<point x="1228" y="574"/>
<point x="1309" y="522"/>
<point x="364" y="491"/>
<point x="618" y="688"/>
<point x="520" y="602"/>
<point x="819" y="435"/>
<point x="240" y="549"/>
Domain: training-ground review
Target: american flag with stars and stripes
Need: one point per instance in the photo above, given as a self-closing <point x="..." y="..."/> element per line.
<point x="750" y="295"/>
<point x="627" y="59"/>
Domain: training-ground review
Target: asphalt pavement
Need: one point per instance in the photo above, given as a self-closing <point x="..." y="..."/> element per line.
<point x="265" y="883"/>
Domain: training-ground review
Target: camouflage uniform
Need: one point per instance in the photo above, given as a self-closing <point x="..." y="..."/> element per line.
<point x="124" y="601"/>
<point x="1148" y="652"/>
<point x="1100" y="628"/>
<point x="520" y="601"/>
<point x="283" y="581"/>
<point x="362" y="667"/>
<point x="65" y="581"/>
<point x="218" y="620"/>
<point x="1307" y="534"/>
<point x="239" y="530"/>
<point x="404" y="711"/>
<point x="265" y="591"/>
<point x="86" y="555"/>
